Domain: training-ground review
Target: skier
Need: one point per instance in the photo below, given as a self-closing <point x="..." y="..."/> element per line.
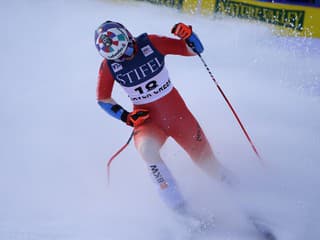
<point x="159" y="112"/>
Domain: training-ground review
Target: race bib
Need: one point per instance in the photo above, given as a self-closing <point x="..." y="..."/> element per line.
<point x="151" y="90"/>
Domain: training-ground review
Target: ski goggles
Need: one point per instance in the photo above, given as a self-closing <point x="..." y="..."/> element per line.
<point x="128" y="53"/>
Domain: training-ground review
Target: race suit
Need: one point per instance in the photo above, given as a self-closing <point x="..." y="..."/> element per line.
<point x="146" y="81"/>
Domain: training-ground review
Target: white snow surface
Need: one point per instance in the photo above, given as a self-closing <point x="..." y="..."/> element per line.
<point x="55" y="140"/>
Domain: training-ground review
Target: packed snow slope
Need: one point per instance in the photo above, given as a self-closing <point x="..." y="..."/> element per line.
<point x="55" y="140"/>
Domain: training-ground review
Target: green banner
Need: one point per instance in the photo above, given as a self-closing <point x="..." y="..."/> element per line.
<point x="170" y="3"/>
<point x="282" y="17"/>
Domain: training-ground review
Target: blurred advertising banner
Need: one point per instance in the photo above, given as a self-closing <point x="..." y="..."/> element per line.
<point x="289" y="17"/>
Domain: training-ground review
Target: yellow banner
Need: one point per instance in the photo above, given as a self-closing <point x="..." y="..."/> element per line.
<point x="290" y="19"/>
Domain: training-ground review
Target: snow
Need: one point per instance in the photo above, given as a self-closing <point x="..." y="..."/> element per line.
<point x="55" y="140"/>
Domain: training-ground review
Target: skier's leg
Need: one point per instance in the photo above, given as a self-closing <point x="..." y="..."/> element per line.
<point x="194" y="141"/>
<point x="148" y="141"/>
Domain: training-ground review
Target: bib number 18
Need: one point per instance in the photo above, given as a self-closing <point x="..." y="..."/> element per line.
<point x="147" y="87"/>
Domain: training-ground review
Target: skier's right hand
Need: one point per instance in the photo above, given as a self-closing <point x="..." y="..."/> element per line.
<point x="137" y="117"/>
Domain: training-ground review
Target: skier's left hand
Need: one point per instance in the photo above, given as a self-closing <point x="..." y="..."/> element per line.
<point x="182" y="30"/>
<point x="137" y="117"/>
<point x="185" y="32"/>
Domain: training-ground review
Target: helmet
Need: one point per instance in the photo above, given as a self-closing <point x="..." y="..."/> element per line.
<point x="114" y="41"/>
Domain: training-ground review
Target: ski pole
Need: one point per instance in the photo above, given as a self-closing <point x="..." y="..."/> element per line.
<point x="230" y="106"/>
<point x="116" y="154"/>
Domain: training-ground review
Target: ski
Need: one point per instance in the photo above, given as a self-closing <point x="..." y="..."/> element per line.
<point x="262" y="229"/>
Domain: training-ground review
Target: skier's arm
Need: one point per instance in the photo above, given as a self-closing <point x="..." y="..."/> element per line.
<point x="108" y="104"/>
<point x="166" y="45"/>
<point x="133" y="119"/>
<point x="114" y="109"/>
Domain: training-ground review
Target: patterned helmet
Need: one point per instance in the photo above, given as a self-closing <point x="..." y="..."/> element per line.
<point x="113" y="41"/>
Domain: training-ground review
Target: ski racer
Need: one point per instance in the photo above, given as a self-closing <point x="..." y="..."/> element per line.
<point x="159" y="112"/>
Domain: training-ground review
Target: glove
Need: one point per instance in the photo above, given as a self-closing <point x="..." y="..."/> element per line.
<point x="182" y="31"/>
<point x="185" y="32"/>
<point x="137" y="117"/>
